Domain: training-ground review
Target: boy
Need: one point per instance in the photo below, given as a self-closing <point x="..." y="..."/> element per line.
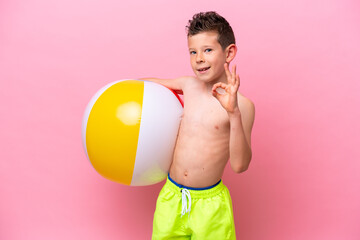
<point x="216" y="125"/>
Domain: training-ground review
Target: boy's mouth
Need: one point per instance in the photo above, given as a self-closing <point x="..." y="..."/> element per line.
<point x="203" y="70"/>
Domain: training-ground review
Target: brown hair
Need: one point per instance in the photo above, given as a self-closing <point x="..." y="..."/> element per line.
<point x="211" y="21"/>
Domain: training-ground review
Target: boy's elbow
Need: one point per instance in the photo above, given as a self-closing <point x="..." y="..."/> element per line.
<point x="241" y="167"/>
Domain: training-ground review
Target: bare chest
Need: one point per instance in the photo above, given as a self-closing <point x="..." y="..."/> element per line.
<point x="204" y="112"/>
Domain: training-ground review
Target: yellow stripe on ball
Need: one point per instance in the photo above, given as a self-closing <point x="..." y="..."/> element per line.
<point x="113" y="130"/>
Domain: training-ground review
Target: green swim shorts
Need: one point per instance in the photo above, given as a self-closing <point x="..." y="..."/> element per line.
<point x="193" y="213"/>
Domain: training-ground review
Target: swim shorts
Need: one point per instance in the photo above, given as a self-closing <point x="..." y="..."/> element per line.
<point x="193" y="213"/>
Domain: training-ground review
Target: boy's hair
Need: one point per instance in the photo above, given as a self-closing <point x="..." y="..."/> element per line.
<point x="211" y="21"/>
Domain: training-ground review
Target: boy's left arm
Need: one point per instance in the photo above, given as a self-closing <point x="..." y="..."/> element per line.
<point x="240" y="136"/>
<point x="241" y="121"/>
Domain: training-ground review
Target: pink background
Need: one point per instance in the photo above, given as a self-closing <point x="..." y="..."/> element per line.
<point x="298" y="62"/>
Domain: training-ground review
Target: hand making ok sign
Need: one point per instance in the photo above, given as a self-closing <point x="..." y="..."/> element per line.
<point x="228" y="99"/>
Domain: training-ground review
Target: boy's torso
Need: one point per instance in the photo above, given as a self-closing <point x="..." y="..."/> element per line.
<point x="202" y="147"/>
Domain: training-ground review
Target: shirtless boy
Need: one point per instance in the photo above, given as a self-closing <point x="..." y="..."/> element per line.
<point x="216" y="126"/>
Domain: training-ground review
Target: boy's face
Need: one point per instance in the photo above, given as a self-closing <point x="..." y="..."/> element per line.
<point x="207" y="57"/>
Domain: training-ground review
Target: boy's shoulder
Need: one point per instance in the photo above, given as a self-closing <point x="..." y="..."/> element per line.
<point x="245" y="104"/>
<point x="187" y="79"/>
<point x="244" y="100"/>
<point x="187" y="82"/>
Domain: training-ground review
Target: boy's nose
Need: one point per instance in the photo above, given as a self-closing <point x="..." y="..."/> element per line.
<point x="199" y="58"/>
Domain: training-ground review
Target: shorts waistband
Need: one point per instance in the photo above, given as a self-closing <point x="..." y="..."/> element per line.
<point x="196" y="192"/>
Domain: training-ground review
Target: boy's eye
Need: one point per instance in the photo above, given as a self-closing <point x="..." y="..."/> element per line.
<point x="208" y="50"/>
<point x="192" y="52"/>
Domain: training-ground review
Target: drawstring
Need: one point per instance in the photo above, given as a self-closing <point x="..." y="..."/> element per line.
<point x="185" y="194"/>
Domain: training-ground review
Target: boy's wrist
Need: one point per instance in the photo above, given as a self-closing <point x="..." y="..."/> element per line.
<point x="235" y="114"/>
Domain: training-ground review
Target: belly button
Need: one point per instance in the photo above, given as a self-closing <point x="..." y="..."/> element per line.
<point x="217" y="127"/>
<point x="185" y="173"/>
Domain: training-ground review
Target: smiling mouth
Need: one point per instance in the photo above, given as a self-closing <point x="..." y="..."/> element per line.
<point x="202" y="70"/>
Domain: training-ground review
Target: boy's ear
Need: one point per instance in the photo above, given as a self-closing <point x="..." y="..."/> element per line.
<point x="230" y="52"/>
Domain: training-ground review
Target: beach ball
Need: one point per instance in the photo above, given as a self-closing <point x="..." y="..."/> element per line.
<point x="129" y="131"/>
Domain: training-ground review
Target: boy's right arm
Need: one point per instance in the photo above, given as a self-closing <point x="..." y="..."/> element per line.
<point x="176" y="84"/>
